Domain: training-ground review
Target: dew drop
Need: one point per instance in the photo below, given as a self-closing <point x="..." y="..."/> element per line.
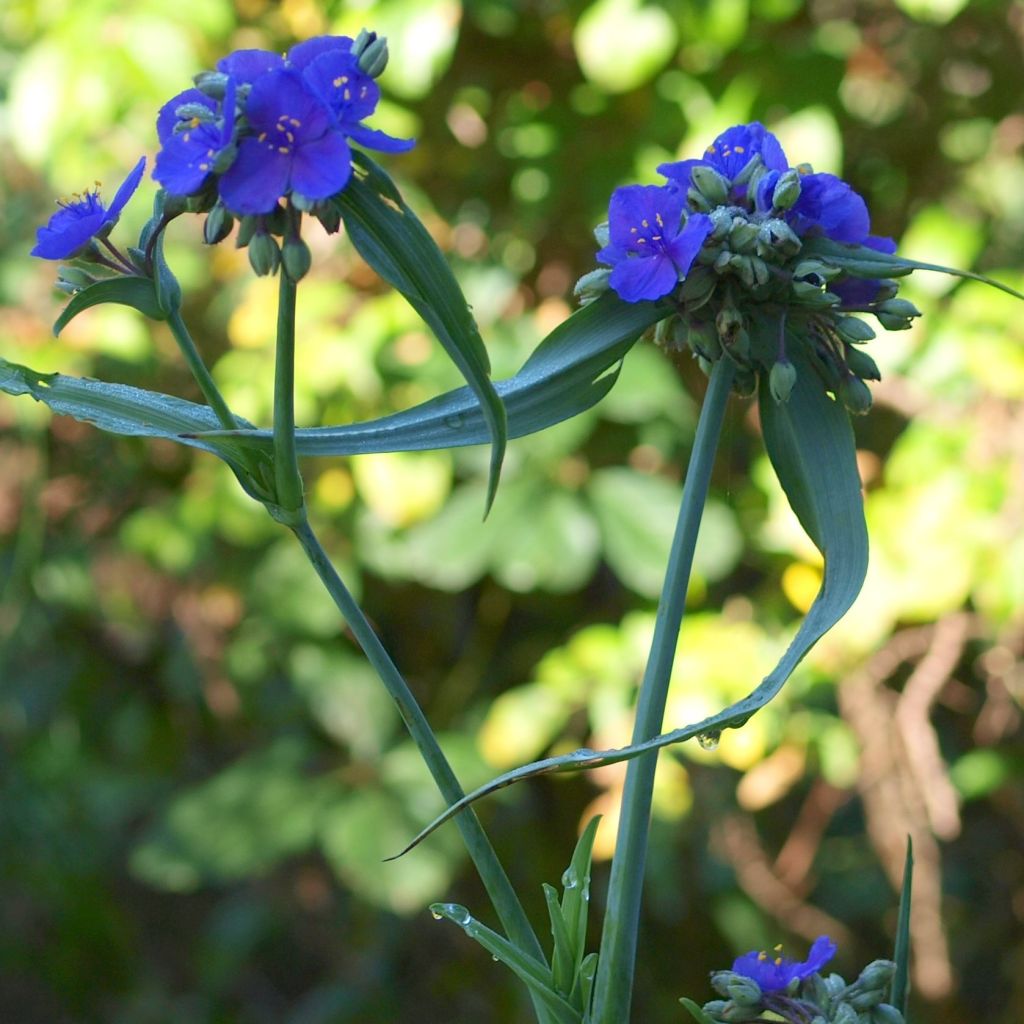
<point x="494" y="958"/>
<point x="436" y="916"/>
<point x="709" y="740"/>
<point x="570" y="880"/>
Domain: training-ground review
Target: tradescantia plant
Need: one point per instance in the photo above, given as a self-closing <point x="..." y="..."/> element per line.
<point x="761" y="270"/>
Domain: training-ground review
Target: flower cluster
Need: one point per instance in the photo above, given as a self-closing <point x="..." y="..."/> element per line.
<point x="751" y="253"/>
<point x="796" y="991"/>
<point x="262" y="138"/>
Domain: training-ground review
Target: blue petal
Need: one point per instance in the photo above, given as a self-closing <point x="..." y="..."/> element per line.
<point x="373" y="139"/>
<point x="680" y="171"/>
<point x="126" y="191"/>
<point x="246" y="66"/>
<point x="336" y="79"/>
<point x="283" y="94"/>
<point x="829" y="206"/>
<point x="732" y="150"/>
<point x="631" y="205"/>
<point x="322" y="168"/>
<point x="644" y="278"/>
<point x="167" y="118"/>
<point x="303" y="54"/>
<point x="256" y="180"/>
<point x="684" y="248"/>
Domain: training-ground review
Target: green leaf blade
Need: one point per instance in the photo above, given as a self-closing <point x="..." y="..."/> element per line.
<point x="137" y="292"/>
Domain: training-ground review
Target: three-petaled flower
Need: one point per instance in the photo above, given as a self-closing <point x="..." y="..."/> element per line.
<point x="83" y="218"/>
<point x="776" y="973"/>
<point x="651" y="246"/>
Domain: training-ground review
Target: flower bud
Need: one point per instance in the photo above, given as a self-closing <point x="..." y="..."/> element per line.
<point x="899" y="307"/>
<point x="703" y="339"/>
<point x="698" y="287"/>
<point x="697" y="201"/>
<point x="855" y="395"/>
<point x="753" y="164"/>
<point x="844" y="1014"/>
<point x="815" y="271"/>
<point x="787" y="190"/>
<point x="721" y="221"/>
<point x="777" y="237"/>
<point x="812" y="295"/>
<point x="711" y="185"/>
<point x="866" y="999"/>
<point x="883" y="1013"/>
<point x="602" y="234"/>
<point x="762" y="275"/>
<point x="212" y="83"/>
<point x="743" y="235"/>
<point x="893" y="323"/>
<point x="197" y="112"/>
<point x="723" y="260"/>
<point x="744" y="383"/>
<point x="861" y="364"/>
<point x="374" y="59"/>
<point x="218" y="224"/>
<point x="75" y="277"/>
<point x="264" y="254"/>
<point x="296" y="258"/>
<point x="781" y="380"/>
<point x="592" y="286"/>
<point x="854" y="330"/>
<point x="743" y="268"/>
<point x="729" y="323"/>
<point x="329" y="217"/>
<point x="247" y="227"/>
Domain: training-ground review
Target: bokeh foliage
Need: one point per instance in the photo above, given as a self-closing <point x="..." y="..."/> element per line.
<point x="199" y="776"/>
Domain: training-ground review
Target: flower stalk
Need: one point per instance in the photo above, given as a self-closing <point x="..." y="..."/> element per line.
<point x="614" y="984"/>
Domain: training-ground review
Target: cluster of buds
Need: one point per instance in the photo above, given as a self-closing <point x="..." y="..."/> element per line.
<point x="752" y="256"/>
<point x="815" y="999"/>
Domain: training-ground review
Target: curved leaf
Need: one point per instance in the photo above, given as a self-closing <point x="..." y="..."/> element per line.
<point x="811" y="446"/>
<point x="391" y="238"/>
<point x="137" y="292"/>
<point x="565" y="375"/>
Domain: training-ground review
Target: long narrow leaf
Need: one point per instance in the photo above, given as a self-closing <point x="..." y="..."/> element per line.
<point x="565" y="375"/>
<point x="391" y="238"/>
<point x="533" y="973"/>
<point x="901" y="953"/>
<point x="811" y="446"/>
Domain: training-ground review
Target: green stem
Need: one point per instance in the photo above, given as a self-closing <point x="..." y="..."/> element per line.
<point x="202" y="375"/>
<point x="499" y="888"/>
<point x="614" y="982"/>
<point x="287" y="477"/>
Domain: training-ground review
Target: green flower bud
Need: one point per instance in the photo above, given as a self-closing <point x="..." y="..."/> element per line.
<point x="744" y="991"/>
<point x="744" y="269"/>
<point x="698" y="287"/>
<point x="296" y="258"/>
<point x="743" y="236"/>
<point x="602" y="234"/>
<point x="723" y="261"/>
<point x="812" y="295"/>
<point x="776" y="237"/>
<point x="721" y="221"/>
<point x="374" y="59"/>
<point x="762" y="275"/>
<point x="891" y="322"/>
<point x="218" y="224"/>
<point x="883" y="1013"/>
<point x="815" y="269"/>
<point x="74" y="277"/>
<point x="781" y="380"/>
<point x="702" y="338"/>
<point x="198" y="112"/>
<point x="329" y="216"/>
<point x="212" y="83"/>
<point x="138" y="258"/>
<point x="898" y="307"/>
<point x="729" y="323"/>
<point x="835" y="984"/>
<point x="264" y="254"/>
<point x="715" y="1007"/>
<point x="592" y="286"/>
<point x="247" y="227"/>
<point x="854" y="330"/>
<point x="733" y="1012"/>
<point x="755" y="163"/>
<point x="844" y="1014"/>
<point x="663" y="332"/>
<point x="697" y="201"/>
<point x="855" y="395"/>
<point x="787" y="190"/>
<point x="711" y="185"/>
<point x="861" y="364"/>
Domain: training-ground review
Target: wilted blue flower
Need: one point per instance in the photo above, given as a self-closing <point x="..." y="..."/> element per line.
<point x="191" y="147"/>
<point x="775" y="973"/>
<point x="295" y="146"/>
<point x="651" y="247"/>
<point x="83" y="218"/>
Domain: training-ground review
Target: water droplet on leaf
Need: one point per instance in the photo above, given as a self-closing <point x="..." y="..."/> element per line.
<point x="709" y="740"/>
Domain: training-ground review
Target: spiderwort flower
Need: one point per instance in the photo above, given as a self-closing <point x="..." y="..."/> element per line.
<point x="776" y="973"/>
<point x="83" y="218"/>
<point x="651" y="247"/>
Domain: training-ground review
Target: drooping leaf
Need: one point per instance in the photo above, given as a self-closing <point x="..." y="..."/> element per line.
<point x="137" y="292"/>
<point x="391" y="238"/>
<point x="566" y="374"/>
<point x="811" y="446"/>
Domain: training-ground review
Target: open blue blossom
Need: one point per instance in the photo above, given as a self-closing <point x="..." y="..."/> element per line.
<point x="730" y="153"/>
<point x="774" y="973"/>
<point x="80" y="220"/>
<point x="295" y="146"/>
<point x="650" y="248"/>
<point x="190" y="150"/>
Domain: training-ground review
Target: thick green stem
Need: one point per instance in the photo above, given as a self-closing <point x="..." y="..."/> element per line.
<point x="499" y="888"/>
<point x="287" y="479"/>
<point x="202" y="375"/>
<point x="614" y="982"/>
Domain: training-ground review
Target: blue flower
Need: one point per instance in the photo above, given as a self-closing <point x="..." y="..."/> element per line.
<point x="245" y="66"/>
<point x="650" y="247"/>
<point x="774" y="974"/>
<point x="350" y="95"/>
<point x="71" y="229"/>
<point x="730" y="153"/>
<point x="189" y="152"/>
<point x="295" y="146"/>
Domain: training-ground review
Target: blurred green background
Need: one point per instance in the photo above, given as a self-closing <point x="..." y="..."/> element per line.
<point x="199" y="776"/>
